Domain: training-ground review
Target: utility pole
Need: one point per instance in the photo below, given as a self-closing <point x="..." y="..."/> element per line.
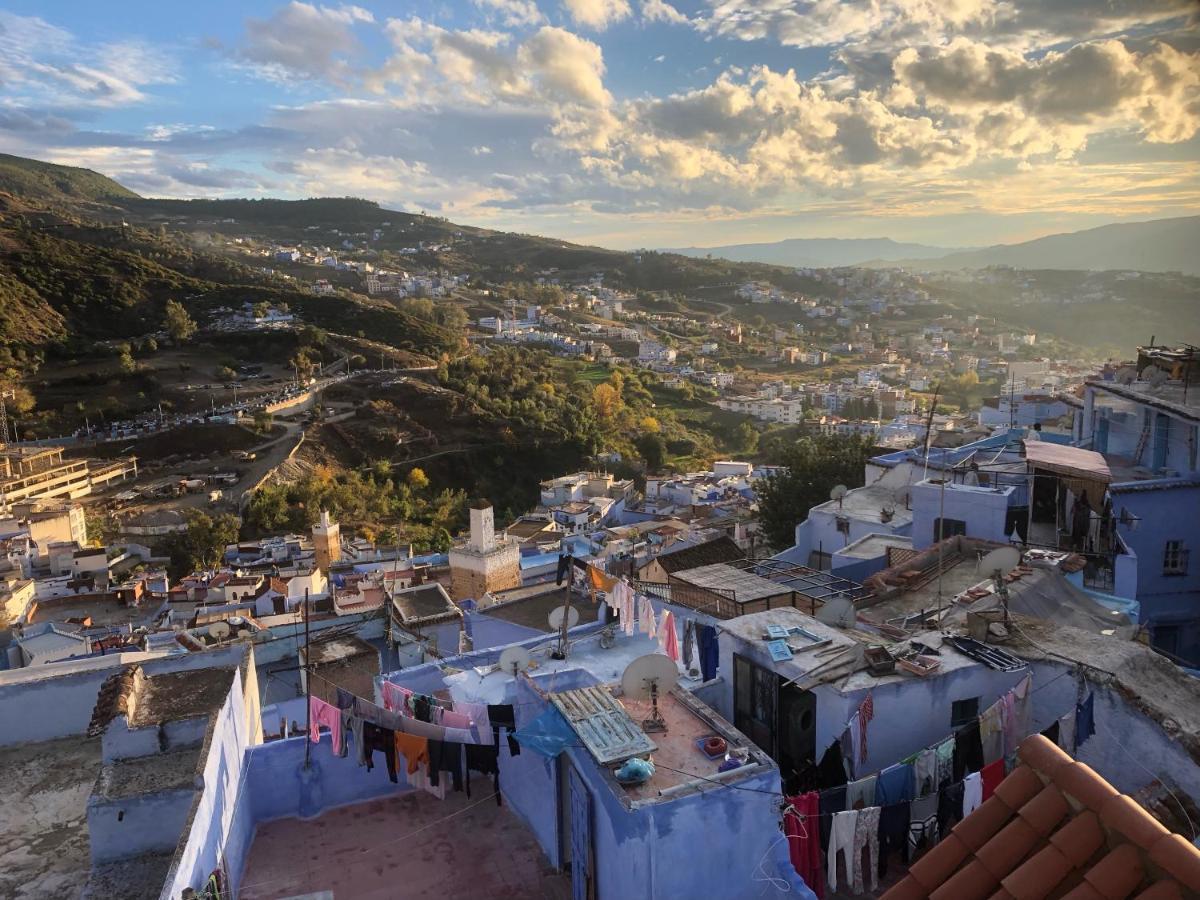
<point x="307" y="683"/>
<point x="5" y="395"/>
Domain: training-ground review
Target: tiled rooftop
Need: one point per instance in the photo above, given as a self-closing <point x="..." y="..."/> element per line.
<point x="1054" y="828"/>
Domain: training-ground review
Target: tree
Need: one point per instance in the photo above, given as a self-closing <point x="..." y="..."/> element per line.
<point x="814" y="465"/>
<point x="126" y="361"/>
<point x="203" y="543"/>
<point x="606" y="400"/>
<point x="263" y="421"/>
<point x="417" y="479"/>
<point x="180" y="326"/>
<point x="745" y="437"/>
<point x="653" y="450"/>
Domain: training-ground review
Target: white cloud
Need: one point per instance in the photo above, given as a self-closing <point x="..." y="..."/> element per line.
<point x="514" y="13"/>
<point x="302" y="40"/>
<point x="662" y="11"/>
<point x="597" y="14"/>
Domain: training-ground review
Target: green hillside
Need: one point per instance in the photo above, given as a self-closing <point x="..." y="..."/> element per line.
<point x="44" y="182"/>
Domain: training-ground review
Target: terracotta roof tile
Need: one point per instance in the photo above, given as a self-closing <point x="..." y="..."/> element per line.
<point x="971" y="882"/>
<point x="1046" y="810"/>
<point x="1162" y="890"/>
<point x="907" y="888"/>
<point x="1039" y="875"/>
<point x="1179" y="858"/>
<point x="1043" y="755"/>
<point x="1002" y="894"/>
<point x="1117" y="875"/>
<point x="1082" y="784"/>
<point x="1005" y="851"/>
<point x="1021" y="786"/>
<point x="940" y="861"/>
<point x="1123" y="815"/>
<point x="1080" y="838"/>
<point x="1083" y="891"/>
<point x="980" y="826"/>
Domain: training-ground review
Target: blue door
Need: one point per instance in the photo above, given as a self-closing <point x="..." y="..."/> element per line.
<point x="582" y="884"/>
<point x="1102" y="435"/>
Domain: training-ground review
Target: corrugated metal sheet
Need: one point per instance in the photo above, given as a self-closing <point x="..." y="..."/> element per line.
<point x="603" y="725"/>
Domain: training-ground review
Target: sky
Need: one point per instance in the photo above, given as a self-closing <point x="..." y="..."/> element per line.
<point x="632" y="123"/>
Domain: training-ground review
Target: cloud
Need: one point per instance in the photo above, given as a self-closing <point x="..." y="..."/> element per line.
<point x="662" y="11"/>
<point x="597" y="14"/>
<point x="513" y="13"/>
<point x="43" y="64"/>
<point x="301" y="40"/>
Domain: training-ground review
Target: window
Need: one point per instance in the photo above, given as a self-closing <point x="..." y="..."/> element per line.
<point x="948" y="528"/>
<point x="963" y="711"/>
<point x="1175" y="558"/>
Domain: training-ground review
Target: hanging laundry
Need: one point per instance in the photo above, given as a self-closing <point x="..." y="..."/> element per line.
<point x="600" y="581"/>
<point x="922" y="825"/>
<point x="646" y="617"/>
<point x="383" y="740"/>
<point x="893" y="793"/>
<point x="422" y="708"/>
<point x="841" y="840"/>
<point x="830" y="771"/>
<point x="481" y="726"/>
<point x="1066" y="732"/>
<point x="446" y="756"/>
<point x="866" y="712"/>
<point x="968" y="750"/>
<point x="950" y="806"/>
<point x="396" y="698"/>
<point x="668" y="639"/>
<point x="709" y="652"/>
<point x="547" y="735"/>
<point x="925" y="773"/>
<point x="622" y="596"/>
<point x="453" y="719"/>
<point x="861" y="794"/>
<point x="1050" y="733"/>
<point x="564" y="568"/>
<point x="485" y="760"/>
<point x="322" y="713"/>
<point x="689" y="638"/>
<point x="415" y="750"/>
<point x="991" y="733"/>
<point x="833" y="801"/>
<point x="344" y="699"/>
<point x="502" y="715"/>
<point x="800" y="828"/>
<point x="866" y="838"/>
<point x="945" y="762"/>
<point x="972" y="793"/>
<point x="849" y="754"/>
<point x="991" y="775"/>
<point x="1085" y="720"/>
<point x="1008" y="721"/>
<point x="1021" y="721"/>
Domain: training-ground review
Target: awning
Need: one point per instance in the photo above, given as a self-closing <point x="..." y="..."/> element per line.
<point x="1072" y="462"/>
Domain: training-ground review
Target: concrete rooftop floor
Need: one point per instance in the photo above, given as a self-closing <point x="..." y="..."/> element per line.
<point x="44" y="847"/>
<point x="409" y="846"/>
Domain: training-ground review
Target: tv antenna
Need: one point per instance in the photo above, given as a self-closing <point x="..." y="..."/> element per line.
<point x="837" y="492"/>
<point x="644" y="679"/>
<point x="514" y="660"/>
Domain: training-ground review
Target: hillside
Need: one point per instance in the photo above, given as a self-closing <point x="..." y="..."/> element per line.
<point x="1160" y="245"/>
<point x="817" y="253"/>
<point x="44" y="182"/>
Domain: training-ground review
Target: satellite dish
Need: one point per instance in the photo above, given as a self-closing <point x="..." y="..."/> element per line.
<point x="838" y="612"/>
<point x="219" y="630"/>
<point x="514" y="660"/>
<point x="1002" y="559"/>
<point x="556" y="617"/>
<point x="644" y="679"/>
<point x="838" y="491"/>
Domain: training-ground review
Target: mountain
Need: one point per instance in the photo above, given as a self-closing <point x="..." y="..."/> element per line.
<point x="819" y="253"/>
<point x="1160" y="245"/>
<point x="32" y="179"/>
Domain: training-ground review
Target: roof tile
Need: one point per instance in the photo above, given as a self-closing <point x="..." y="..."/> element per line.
<point x="1083" y="891"/>
<point x="1043" y="755"/>
<point x="907" y="888"/>
<point x="1046" y="810"/>
<point x="939" y="863"/>
<point x="1122" y="814"/>
<point x="1039" y="875"/>
<point x="1081" y="783"/>
<point x="1118" y="874"/>
<point x="1080" y="838"/>
<point x="1005" y="851"/>
<point x="981" y="825"/>
<point x="971" y="882"/>
<point x="1162" y="890"/>
<point x="1002" y="894"/>
<point x="1179" y="858"/>
<point x="1021" y="786"/>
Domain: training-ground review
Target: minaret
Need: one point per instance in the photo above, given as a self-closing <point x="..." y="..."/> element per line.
<point x="484" y="563"/>
<point x="327" y="541"/>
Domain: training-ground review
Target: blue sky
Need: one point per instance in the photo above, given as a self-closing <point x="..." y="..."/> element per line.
<point x="632" y="122"/>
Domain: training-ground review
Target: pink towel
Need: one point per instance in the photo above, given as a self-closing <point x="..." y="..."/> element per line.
<point x="452" y="719"/>
<point x="321" y="713"/>
<point x="667" y="637"/>
<point x="396" y="698"/>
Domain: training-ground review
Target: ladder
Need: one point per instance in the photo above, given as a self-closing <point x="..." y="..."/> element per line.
<point x="1143" y="440"/>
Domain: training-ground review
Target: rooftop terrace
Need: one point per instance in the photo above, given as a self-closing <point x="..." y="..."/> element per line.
<point x="533" y="609"/>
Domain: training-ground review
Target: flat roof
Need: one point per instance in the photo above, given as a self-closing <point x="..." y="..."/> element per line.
<point x="332" y="651"/>
<point x="803" y="579"/>
<point x="533" y="610"/>
<point x="173" y="770"/>
<point x="46" y="851"/>
<point x="867" y="503"/>
<point x="872" y="546"/>
<point x="181" y="695"/>
<point x="746" y="586"/>
<point x="1168" y="397"/>
<point x="1066" y="460"/>
<point x="426" y="601"/>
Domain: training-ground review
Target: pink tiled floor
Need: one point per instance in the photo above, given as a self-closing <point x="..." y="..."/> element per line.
<point x="404" y="847"/>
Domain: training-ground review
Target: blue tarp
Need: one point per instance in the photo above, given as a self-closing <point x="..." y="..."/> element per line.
<point x="547" y="735"/>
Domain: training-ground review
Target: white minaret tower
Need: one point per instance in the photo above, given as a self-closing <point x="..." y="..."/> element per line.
<point x="327" y="542"/>
<point x="484" y="563"/>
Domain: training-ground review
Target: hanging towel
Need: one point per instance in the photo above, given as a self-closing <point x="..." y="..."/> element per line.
<point x="709" y="652"/>
<point x="477" y="713"/>
<point x="622" y="595"/>
<point x="1085" y="720"/>
<point x="972" y="793"/>
<point x="600" y="581"/>
<point x="646" y="617"/>
<point x="667" y="638"/>
<point x="547" y="735"/>
<point x="453" y="719"/>
<point x="991" y="734"/>
<point x="804" y="848"/>
<point x="396" y="698"/>
<point x="1066" y="733"/>
<point x="991" y="775"/>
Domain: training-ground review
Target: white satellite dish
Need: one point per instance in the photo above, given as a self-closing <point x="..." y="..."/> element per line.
<point x="514" y="660"/>
<point x="644" y="679"/>
<point x="1002" y="560"/>
<point x="556" y="617"/>
<point x="839" y="612"/>
<point x="838" y="491"/>
<point x="219" y="630"/>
